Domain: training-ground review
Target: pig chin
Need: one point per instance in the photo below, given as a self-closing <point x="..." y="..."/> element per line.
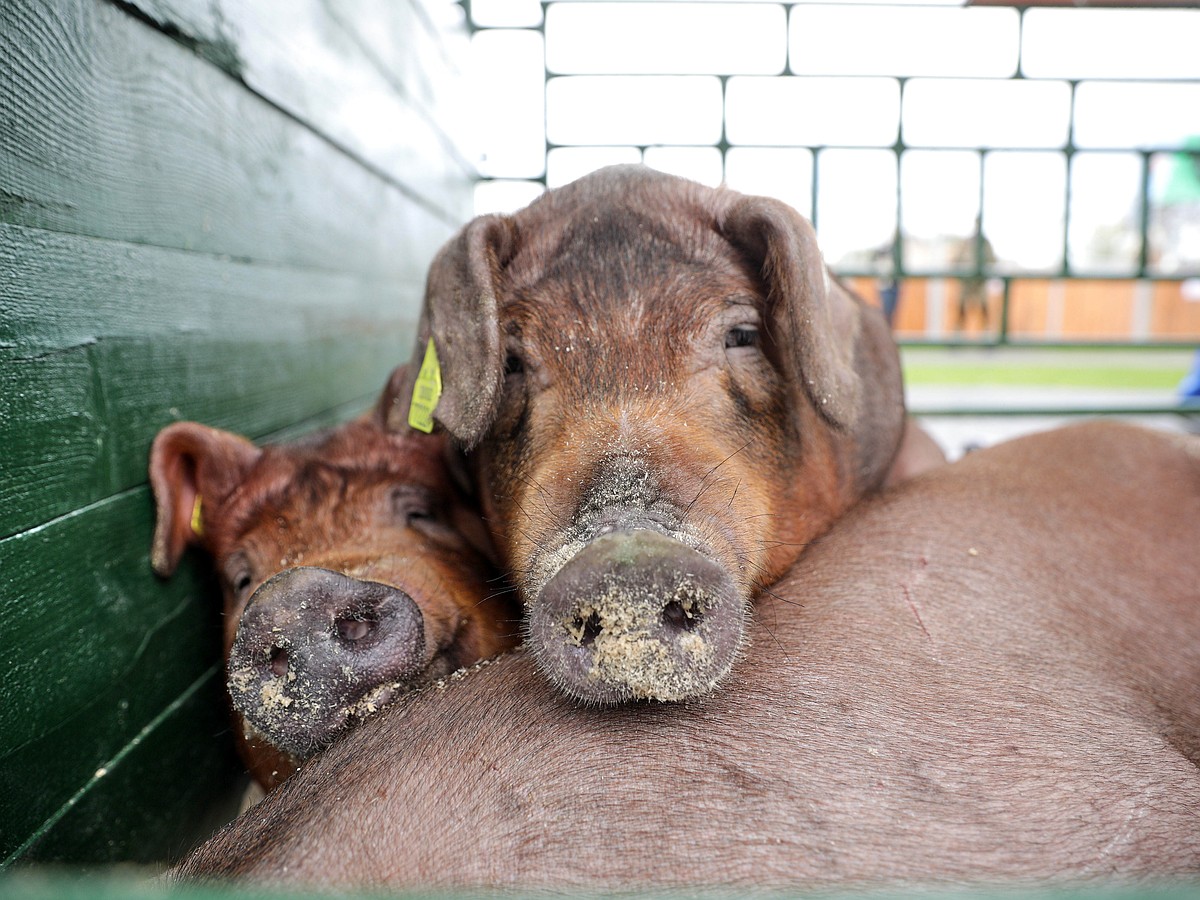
<point x="633" y="607"/>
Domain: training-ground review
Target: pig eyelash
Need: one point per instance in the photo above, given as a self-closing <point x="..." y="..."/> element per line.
<point x="412" y="507"/>
<point x="418" y="515"/>
<point x="240" y="581"/>
<point x="741" y="336"/>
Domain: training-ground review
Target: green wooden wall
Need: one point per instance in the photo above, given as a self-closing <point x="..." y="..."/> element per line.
<point x="218" y="210"/>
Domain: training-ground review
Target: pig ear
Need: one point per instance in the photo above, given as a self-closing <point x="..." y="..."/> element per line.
<point x="397" y="394"/>
<point x="467" y="519"/>
<point x="461" y="316"/>
<point x="189" y="461"/>
<point x="836" y="346"/>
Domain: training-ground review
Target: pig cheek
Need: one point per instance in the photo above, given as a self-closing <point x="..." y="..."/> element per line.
<point x="724" y="505"/>
<point x="521" y="497"/>
<point x="805" y="507"/>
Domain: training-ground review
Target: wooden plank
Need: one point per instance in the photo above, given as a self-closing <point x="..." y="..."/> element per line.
<point x="168" y="786"/>
<point x="142" y="336"/>
<point x="61" y="291"/>
<point x="179" y="238"/>
<point x="372" y="76"/>
<point x="1175" y="313"/>
<point x="79" y="607"/>
<point x="94" y="647"/>
<point x="109" y="128"/>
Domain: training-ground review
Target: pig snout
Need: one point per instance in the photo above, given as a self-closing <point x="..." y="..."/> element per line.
<point x="636" y="614"/>
<point x="315" y="649"/>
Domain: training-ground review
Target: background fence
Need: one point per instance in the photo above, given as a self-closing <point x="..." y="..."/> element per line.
<point x="1045" y="162"/>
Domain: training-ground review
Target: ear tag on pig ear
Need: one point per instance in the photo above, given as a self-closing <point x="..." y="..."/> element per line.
<point x="197" y="524"/>
<point x="426" y="392"/>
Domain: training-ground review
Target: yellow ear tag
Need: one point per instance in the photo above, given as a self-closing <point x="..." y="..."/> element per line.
<point x="197" y="525"/>
<point x="427" y="392"/>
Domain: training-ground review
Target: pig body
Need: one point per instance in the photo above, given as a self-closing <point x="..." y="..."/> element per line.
<point x="671" y="398"/>
<point x="352" y="568"/>
<point x="985" y="676"/>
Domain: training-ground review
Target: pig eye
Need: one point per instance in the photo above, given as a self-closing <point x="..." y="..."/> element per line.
<point x="413" y="507"/>
<point x="741" y="336"/>
<point x="417" y="515"/>
<point x="239" y="576"/>
<point x="513" y="365"/>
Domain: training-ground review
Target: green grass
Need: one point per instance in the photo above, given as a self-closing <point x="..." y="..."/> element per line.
<point x="1070" y="368"/>
<point x="1044" y="376"/>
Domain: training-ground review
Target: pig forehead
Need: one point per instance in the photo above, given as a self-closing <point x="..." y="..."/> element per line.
<point x="628" y="277"/>
<point x="315" y="499"/>
<point x="617" y="243"/>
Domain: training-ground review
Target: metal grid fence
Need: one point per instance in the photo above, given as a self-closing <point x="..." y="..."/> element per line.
<point x="1027" y="174"/>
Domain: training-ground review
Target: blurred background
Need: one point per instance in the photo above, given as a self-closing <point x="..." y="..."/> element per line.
<point x="994" y="176"/>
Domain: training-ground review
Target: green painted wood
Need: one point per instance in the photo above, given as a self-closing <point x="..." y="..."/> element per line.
<point x="196" y="785"/>
<point x="94" y="647"/>
<point x="332" y="66"/>
<point x="87" y="680"/>
<point x="75" y="431"/>
<point x="110" y="128"/>
<point x="142" y="336"/>
<point x="62" y="291"/>
<point x="79" y="608"/>
<point x="178" y="241"/>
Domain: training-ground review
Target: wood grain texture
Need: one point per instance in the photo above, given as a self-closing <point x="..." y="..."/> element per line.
<point x="140" y="337"/>
<point x="108" y="611"/>
<point x="94" y="647"/>
<point x="109" y="128"/>
<point x="189" y="229"/>
<point x="195" y="785"/>
<point x="331" y="65"/>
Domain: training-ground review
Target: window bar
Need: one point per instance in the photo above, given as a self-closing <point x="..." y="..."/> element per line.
<point x="1144" y="218"/>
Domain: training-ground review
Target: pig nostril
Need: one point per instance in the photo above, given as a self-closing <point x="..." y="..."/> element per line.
<point x="279" y="662"/>
<point x="587" y="629"/>
<point x="352" y="630"/>
<point x="679" y="618"/>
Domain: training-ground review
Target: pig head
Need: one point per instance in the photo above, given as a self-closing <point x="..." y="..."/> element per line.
<point x="669" y="398"/>
<point x="352" y="566"/>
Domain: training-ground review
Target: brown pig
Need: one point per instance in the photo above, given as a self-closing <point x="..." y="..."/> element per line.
<point x="986" y="675"/>
<point x="352" y="568"/>
<point x="670" y="398"/>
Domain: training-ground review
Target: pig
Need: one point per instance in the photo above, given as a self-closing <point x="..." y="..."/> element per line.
<point x="918" y="452"/>
<point x="353" y="567"/>
<point x="986" y="675"/>
<point x="668" y="398"/>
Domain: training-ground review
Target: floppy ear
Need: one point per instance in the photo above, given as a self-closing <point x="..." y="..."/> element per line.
<point x="190" y="462"/>
<point x="465" y="515"/>
<point x="837" y="347"/>
<point x="395" y="400"/>
<point x="460" y="315"/>
<point x="391" y="409"/>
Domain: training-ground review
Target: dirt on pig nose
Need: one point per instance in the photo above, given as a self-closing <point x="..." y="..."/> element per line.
<point x="315" y="649"/>
<point x="637" y="615"/>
